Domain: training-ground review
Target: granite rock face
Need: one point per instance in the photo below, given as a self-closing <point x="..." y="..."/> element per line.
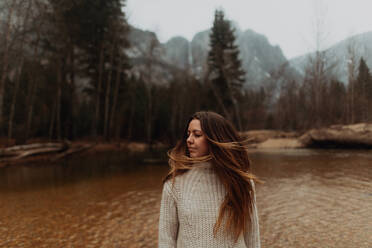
<point x="177" y="52"/>
<point x="339" y="136"/>
<point x="260" y="60"/>
<point x="338" y="56"/>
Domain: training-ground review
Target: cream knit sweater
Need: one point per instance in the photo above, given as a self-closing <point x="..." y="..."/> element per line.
<point x="190" y="208"/>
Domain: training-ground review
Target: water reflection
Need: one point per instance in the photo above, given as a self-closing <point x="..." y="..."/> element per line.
<point x="310" y="198"/>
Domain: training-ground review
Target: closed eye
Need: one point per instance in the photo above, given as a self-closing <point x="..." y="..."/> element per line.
<point x="195" y="134"/>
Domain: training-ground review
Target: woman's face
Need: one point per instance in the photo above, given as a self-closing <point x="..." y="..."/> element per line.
<point x="196" y="142"/>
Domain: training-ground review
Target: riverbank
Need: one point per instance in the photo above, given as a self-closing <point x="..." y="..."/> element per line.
<point x="356" y="136"/>
<point x="27" y="154"/>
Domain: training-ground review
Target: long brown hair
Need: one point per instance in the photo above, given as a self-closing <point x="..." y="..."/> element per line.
<point x="229" y="159"/>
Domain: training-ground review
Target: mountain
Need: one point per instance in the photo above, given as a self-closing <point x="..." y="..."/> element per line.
<point x="260" y="59"/>
<point x="199" y="52"/>
<point x="177" y="51"/>
<point x="148" y="57"/>
<point x="339" y="55"/>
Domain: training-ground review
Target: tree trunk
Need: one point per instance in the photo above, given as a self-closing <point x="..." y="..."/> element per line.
<point x="58" y="100"/>
<point x="30" y="106"/>
<point x="131" y="114"/>
<point x="32" y="90"/>
<point x="14" y="99"/>
<point x="352" y="104"/>
<point x="149" y="114"/>
<point x="107" y="97"/>
<point x="116" y="94"/>
<point x="18" y="76"/>
<point x="173" y="116"/>
<point x="51" y="126"/>
<point x="5" y="63"/>
<point x="70" y="129"/>
<point x="98" y="92"/>
<point x="237" y="114"/>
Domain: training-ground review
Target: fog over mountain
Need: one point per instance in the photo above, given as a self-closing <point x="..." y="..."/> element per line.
<point x="340" y="54"/>
<point x="260" y="60"/>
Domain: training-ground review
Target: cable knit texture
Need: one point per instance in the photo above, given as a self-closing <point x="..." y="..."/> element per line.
<point x="189" y="209"/>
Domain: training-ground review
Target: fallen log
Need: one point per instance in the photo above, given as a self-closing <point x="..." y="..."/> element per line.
<point x="71" y="151"/>
<point x="33" y="152"/>
<point x="8" y="153"/>
<point x="20" y="152"/>
<point x="32" y="146"/>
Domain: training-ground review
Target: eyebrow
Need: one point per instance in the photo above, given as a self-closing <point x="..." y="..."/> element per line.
<point x="195" y="130"/>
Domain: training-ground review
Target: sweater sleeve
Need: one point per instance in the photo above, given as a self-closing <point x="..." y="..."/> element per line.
<point x="252" y="236"/>
<point x="168" y="219"/>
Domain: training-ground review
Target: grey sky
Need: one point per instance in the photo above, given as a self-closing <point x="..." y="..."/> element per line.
<point x="287" y="23"/>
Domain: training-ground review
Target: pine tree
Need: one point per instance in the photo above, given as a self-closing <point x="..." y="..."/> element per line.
<point x="87" y="39"/>
<point x="364" y="91"/>
<point x="103" y="38"/>
<point x="225" y="75"/>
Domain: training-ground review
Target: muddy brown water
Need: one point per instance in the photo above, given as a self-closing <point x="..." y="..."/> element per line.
<point x="310" y="198"/>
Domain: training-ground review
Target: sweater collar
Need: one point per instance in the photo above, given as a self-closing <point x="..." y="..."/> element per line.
<point x="207" y="164"/>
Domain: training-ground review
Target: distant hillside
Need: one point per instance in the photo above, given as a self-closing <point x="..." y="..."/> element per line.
<point x="177" y="51"/>
<point x="339" y="54"/>
<point x="260" y="59"/>
<point x="146" y="49"/>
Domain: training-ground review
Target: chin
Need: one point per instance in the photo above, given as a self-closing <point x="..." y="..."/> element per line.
<point x="193" y="155"/>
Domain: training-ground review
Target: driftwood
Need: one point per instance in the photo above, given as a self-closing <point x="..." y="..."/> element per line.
<point x="37" y="151"/>
<point x="71" y="151"/>
<point x="23" y="151"/>
<point x="54" y="152"/>
<point x="8" y="153"/>
<point x="32" y="146"/>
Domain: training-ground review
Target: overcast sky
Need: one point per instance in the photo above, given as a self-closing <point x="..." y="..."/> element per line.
<point x="287" y="23"/>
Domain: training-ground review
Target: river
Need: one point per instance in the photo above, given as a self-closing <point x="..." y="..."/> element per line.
<point x="310" y="198"/>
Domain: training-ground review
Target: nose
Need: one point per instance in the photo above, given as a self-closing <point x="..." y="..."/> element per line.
<point x="190" y="139"/>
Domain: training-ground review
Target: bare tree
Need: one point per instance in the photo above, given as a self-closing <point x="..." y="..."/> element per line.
<point x="116" y="94"/>
<point x="287" y="106"/>
<point x="9" y="7"/>
<point x="21" y="54"/>
<point x="37" y="23"/>
<point x="108" y="93"/>
<point x="318" y="71"/>
<point x="98" y="92"/>
<point x="352" y="75"/>
<point x="148" y="83"/>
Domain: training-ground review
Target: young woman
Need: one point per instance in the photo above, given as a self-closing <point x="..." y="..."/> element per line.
<point x="208" y="197"/>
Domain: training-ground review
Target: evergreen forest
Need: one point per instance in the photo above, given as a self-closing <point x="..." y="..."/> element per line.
<point x="65" y="74"/>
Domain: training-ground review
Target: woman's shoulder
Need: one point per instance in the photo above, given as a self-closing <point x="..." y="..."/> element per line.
<point x="187" y="178"/>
